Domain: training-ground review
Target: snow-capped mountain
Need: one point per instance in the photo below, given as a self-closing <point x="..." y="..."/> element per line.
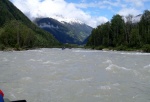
<point x="62" y="19"/>
<point x="65" y="30"/>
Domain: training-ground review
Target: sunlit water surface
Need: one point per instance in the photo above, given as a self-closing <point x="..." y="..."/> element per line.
<point x="75" y="75"/>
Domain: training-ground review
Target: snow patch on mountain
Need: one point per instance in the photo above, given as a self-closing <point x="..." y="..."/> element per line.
<point x="62" y="19"/>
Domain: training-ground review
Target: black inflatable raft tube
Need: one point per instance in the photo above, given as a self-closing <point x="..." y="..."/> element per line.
<point x="7" y="100"/>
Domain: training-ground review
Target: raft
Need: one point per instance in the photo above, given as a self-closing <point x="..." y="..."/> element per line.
<point x="7" y="100"/>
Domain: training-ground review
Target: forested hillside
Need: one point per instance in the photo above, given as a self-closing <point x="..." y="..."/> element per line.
<point x="16" y="30"/>
<point x="122" y="34"/>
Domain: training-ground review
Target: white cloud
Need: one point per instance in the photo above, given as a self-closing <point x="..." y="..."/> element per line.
<point x="137" y="3"/>
<point x="89" y="12"/>
<point x="101" y="20"/>
<point x="127" y="11"/>
<point x="50" y="8"/>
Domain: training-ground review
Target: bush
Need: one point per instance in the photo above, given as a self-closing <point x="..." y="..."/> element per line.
<point x="17" y="47"/>
<point x="146" y="48"/>
<point x="2" y="47"/>
<point x="100" y="47"/>
<point x="121" y="48"/>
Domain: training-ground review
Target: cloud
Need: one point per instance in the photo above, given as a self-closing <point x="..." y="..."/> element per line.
<point x="100" y="4"/>
<point x="137" y="3"/>
<point x="50" y="8"/>
<point x="92" y="12"/>
<point x="127" y="11"/>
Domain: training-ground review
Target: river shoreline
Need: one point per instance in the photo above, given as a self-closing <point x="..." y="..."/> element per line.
<point x="96" y="48"/>
<point x="142" y="50"/>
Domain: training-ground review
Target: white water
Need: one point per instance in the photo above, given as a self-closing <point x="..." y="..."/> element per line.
<point x="75" y="75"/>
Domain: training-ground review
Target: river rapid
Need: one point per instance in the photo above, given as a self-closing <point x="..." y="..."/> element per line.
<point x="75" y="75"/>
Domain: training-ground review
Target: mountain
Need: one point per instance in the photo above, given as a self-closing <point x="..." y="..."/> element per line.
<point x="61" y="18"/>
<point x="65" y="30"/>
<point x="16" y="29"/>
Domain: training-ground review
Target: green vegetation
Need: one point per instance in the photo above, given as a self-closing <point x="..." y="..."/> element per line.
<point x="15" y="34"/>
<point x="121" y="35"/>
<point x="17" y="31"/>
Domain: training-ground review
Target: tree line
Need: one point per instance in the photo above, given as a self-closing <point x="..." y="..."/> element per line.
<point x="15" y="34"/>
<point x="122" y="33"/>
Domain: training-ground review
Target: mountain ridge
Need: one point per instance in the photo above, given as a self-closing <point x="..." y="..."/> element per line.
<point x="74" y="31"/>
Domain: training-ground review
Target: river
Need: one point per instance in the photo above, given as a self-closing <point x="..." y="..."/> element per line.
<point x="75" y="75"/>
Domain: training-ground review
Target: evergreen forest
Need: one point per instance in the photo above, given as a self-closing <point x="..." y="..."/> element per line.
<point x="121" y="33"/>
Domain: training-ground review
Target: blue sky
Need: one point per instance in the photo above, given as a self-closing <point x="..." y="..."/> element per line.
<point x="108" y="8"/>
<point x="91" y="12"/>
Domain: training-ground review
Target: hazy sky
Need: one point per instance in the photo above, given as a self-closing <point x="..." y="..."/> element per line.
<point x="91" y="12"/>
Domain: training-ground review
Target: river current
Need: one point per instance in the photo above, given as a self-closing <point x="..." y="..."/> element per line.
<point x="75" y="75"/>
